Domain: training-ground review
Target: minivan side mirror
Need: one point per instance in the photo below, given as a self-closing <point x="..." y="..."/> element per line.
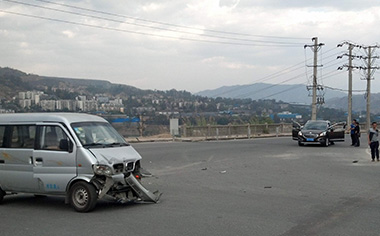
<point x="66" y="145"/>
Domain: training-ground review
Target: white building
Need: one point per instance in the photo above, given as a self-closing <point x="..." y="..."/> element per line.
<point x="48" y="105"/>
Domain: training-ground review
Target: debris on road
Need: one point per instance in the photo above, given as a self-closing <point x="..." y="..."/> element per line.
<point x="267" y="186"/>
<point x="223" y="172"/>
<point x="355" y="161"/>
<point x="204" y="168"/>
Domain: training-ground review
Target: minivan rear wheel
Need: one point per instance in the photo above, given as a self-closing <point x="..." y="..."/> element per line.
<point x="83" y="197"/>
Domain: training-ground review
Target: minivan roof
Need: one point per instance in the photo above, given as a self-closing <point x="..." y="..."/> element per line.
<point x="67" y="118"/>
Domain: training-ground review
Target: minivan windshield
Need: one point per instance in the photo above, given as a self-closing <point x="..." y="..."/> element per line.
<point x="315" y="125"/>
<point x="97" y="134"/>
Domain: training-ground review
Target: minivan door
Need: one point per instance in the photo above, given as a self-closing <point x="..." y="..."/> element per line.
<point x="54" y="158"/>
<point x="16" y="163"/>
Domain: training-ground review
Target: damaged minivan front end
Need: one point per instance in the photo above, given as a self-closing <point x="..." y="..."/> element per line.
<point x="115" y="164"/>
<point x="118" y="175"/>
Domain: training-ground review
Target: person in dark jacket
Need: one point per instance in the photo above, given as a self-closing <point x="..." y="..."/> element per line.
<point x="352" y="132"/>
<point x="373" y="141"/>
<point x="357" y="134"/>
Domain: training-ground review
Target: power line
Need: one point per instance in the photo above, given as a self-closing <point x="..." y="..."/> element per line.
<point x="276" y="74"/>
<point x="283" y="91"/>
<point x="326" y="76"/>
<point x="142" y="33"/>
<point x="271" y="86"/>
<point x="344" y="90"/>
<point x="151" y="27"/>
<point x="164" y="23"/>
<point x="282" y="72"/>
<point x="297" y="86"/>
<point x="332" y="73"/>
<point x="265" y="78"/>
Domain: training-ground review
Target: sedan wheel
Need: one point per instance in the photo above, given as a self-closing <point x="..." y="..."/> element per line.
<point x="2" y="194"/>
<point x="327" y="142"/>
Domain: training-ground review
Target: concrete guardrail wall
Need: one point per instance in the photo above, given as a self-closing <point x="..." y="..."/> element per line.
<point x="230" y="131"/>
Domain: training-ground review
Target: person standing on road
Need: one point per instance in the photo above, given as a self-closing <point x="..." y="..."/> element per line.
<point x="373" y="141"/>
<point x="352" y="132"/>
<point x="357" y="134"/>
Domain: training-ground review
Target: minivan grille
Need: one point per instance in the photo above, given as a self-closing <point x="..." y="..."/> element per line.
<point x="118" y="167"/>
<point x="129" y="166"/>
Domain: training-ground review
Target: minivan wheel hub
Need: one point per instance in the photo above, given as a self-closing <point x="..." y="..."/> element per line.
<point x="81" y="196"/>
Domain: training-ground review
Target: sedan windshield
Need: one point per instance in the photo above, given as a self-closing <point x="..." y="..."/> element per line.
<point x="315" y="126"/>
<point x="97" y="134"/>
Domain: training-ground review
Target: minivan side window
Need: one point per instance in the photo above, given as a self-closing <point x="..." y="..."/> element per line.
<point x="52" y="138"/>
<point x="22" y="136"/>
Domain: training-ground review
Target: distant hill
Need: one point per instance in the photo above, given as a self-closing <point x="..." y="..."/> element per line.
<point x="13" y="81"/>
<point x="358" y="103"/>
<point x="295" y="93"/>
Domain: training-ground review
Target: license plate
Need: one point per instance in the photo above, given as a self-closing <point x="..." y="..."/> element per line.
<point x="310" y="139"/>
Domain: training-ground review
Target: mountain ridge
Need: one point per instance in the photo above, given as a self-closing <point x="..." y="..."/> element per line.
<point x="292" y="93"/>
<point x="14" y="81"/>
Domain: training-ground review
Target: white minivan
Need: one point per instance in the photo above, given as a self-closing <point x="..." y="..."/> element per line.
<point x="79" y="156"/>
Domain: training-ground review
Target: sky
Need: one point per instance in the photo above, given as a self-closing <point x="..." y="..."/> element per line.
<point x="190" y="45"/>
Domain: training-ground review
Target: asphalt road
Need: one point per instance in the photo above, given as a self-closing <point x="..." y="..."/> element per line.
<point x="242" y="187"/>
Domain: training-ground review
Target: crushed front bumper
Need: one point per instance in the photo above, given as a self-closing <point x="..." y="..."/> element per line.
<point x="118" y="186"/>
<point x="143" y="193"/>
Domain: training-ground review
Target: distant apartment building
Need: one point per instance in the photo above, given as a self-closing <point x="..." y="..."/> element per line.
<point x="90" y="105"/>
<point x="48" y="105"/>
<point x="102" y="99"/>
<point x="25" y="103"/>
<point x="65" y="105"/>
<point x="29" y="98"/>
<point x="110" y="105"/>
<point x="81" y="103"/>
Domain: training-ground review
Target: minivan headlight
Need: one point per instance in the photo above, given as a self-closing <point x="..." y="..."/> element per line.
<point x="102" y="170"/>
<point x="322" y="134"/>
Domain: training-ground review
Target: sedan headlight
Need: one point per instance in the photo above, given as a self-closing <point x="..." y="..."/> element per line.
<point x="300" y="133"/>
<point x="322" y="134"/>
<point x="102" y="170"/>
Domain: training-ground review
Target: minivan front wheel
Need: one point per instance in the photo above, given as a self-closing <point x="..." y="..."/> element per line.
<point x="83" y="196"/>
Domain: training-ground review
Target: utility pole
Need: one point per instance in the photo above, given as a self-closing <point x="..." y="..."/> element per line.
<point x="350" y="68"/>
<point x="315" y="48"/>
<point x="368" y="107"/>
<point x="349" y="109"/>
<point x="369" y="69"/>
